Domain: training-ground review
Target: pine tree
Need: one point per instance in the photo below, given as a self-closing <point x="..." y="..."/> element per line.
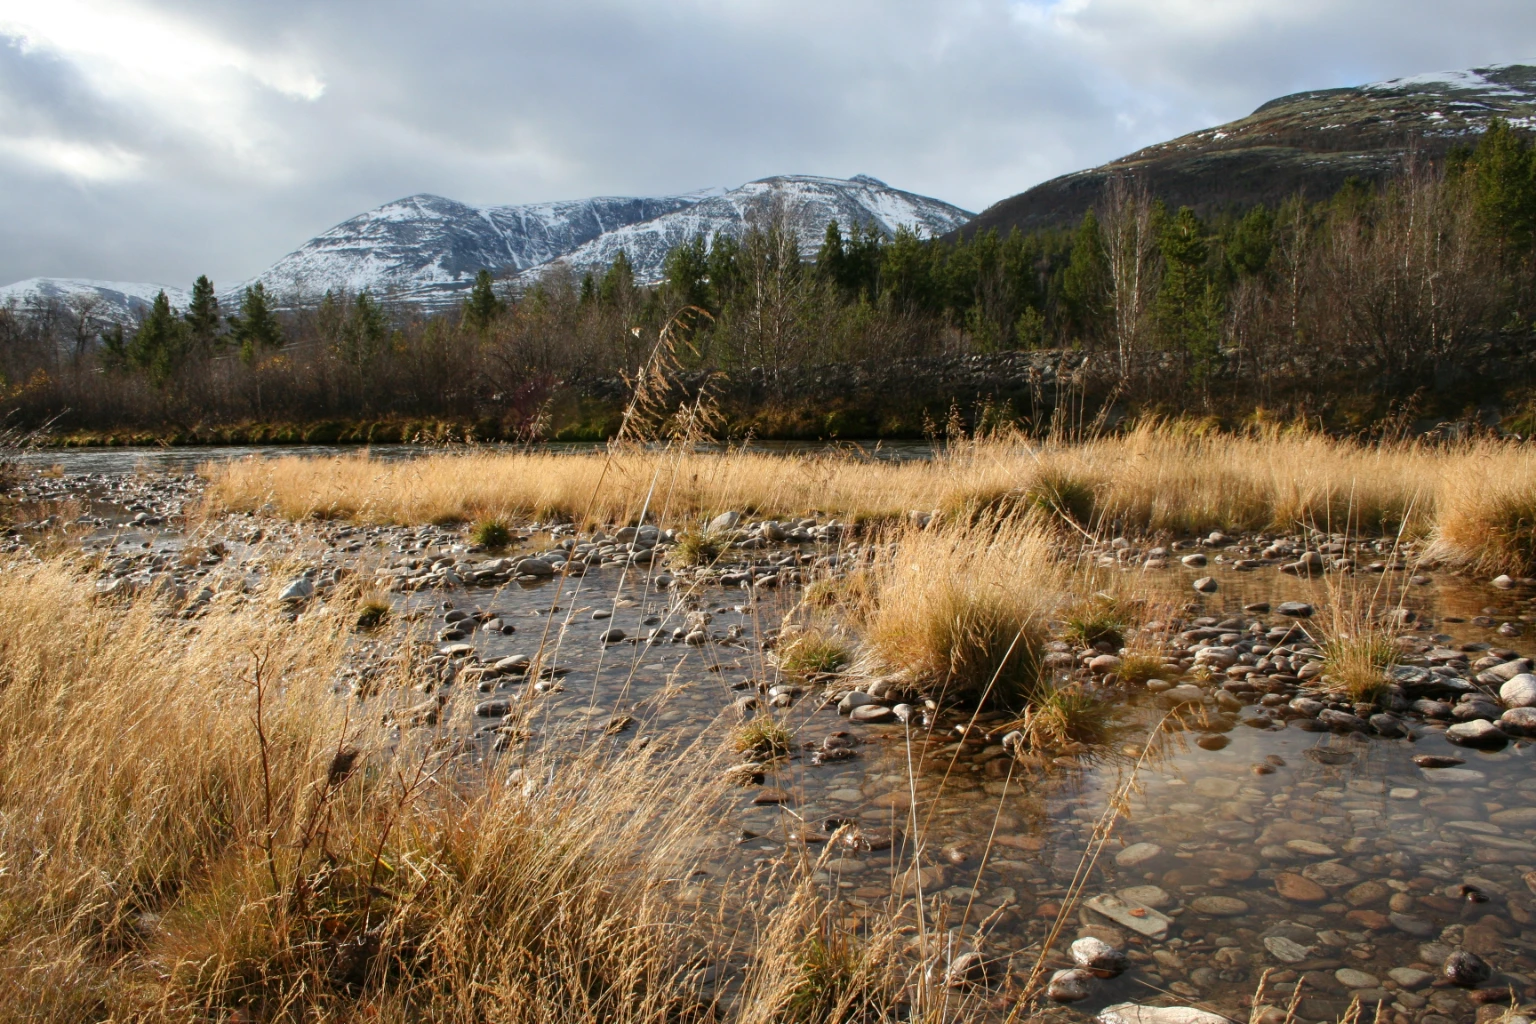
<point x="255" y="329"/>
<point x="159" y="345"/>
<point x="618" y="284"/>
<point x="1252" y="242"/>
<point x="1504" y="188"/>
<point x="1085" y="283"/>
<point x="829" y="258"/>
<point x="202" y="315"/>
<point x="687" y="275"/>
<point x="482" y="307"/>
<point x="1188" y="306"/>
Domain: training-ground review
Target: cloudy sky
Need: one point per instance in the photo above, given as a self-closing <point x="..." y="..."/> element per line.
<point x="153" y="140"/>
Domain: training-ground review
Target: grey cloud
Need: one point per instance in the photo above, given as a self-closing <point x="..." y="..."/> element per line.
<point x="966" y="100"/>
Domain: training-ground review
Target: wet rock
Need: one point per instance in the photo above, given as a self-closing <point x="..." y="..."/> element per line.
<point x="1466" y="969"/>
<point x="856" y="699"/>
<point x="1341" y="721"/>
<point x="1133" y="1013"/>
<point x="1410" y="925"/>
<point x="1098" y="956"/>
<point x="1206" y="585"/>
<point x="1104" y="664"/>
<point x="613" y="636"/>
<point x="1195" y="560"/>
<point x="1137" y="917"/>
<point x="1137" y="854"/>
<point x="1351" y="978"/>
<point x="1186" y="693"/>
<point x="1298" y="889"/>
<point x="871" y="713"/>
<point x="1410" y="978"/>
<point x="298" y="591"/>
<point x="1367" y="893"/>
<point x="1286" y="950"/>
<point x="1331" y="874"/>
<point x="1388" y="726"/>
<point x="724" y="521"/>
<point x="1519" y="692"/>
<point x="1218" y="906"/>
<point x="967" y="969"/>
<point x="1519" y="721"/>
<point x="1069" y="986"/>
<point x="1295" y="609"/>
<point x="1213" y="741"/>
<point x="1438" y="761"/>
<point x="1476" y="733"/>
<point x="1310" y="848"/>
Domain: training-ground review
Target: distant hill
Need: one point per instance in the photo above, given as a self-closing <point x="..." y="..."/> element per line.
<point x="808" y="203"/>
<point x="120" y="301"/>
<point x="1308" y="143"/>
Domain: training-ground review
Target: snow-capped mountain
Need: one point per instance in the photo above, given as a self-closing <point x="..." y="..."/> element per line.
<point x="428" y="249"/>
<point x="120" y="301"/>
<point x="808" y="204"/>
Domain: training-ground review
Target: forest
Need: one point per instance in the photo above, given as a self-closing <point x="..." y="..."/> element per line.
<point x="1414" y="296"/>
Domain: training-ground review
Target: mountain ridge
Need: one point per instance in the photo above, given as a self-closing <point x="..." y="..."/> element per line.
<point x="1306" y="143"/>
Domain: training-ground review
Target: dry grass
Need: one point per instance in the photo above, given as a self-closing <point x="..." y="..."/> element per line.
<point x="964" y="607"/>
<point x="813" y="652"/>
<point x="194" y="825"/>
<point x="1168" y="477"/>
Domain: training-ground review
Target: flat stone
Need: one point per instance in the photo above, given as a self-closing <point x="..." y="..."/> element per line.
<point x="1519" y="721"/>
<point x="1137" y="917"/>
<point x="1372" y="891"/>
<point x="1415" y="926"/>
<point x="1137" y="854"/>
<point x="1287" y="951"/>
<point x="1441" y="776"/>
<point x="772" y="795"/>
<point x="1410" y="978"/>
<point x="871" y="713"/>
<point x="1519" y="692"/>
<point x="1515" y="817"/>
<point x="1331" y="874"/>
<point x="1132" y="1013"/>
<point x="1218" y="789"/>
<point x="1295" y="609"/>
<point x="1308" y="848"/>
<point x="1147" y="895"/>
<point x="1297" y="889"/>
<point x="1207" y="585"/>
<point x="1218" y="906"/>
<point x="1351" y="978"/>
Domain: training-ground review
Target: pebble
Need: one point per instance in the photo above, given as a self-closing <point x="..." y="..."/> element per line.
<point x="871" y="713"/>
<point x="1307" y="848"/>
<point x="1218" y="906"/>
<point x="1206" y="585"/>
<point x="1138" y="918"/>
<point x="1297" y="889"/>
<point x="1519" y="721"/>
<point x="1295" y="609"/>
<point x="1466" y="969"/>
<point x="1069" y="986"/>
<point x="1138" y="854"/>
<point x="1133" y="1013"/>
<point x="1410" y="978"/>
<point x="1287" y="951"/>
<point x="1476" y="733"/>
<point x="1519" y="692"/>
<point x="1351" y="978"/>
<point x="1096" y="955"/>
<point x="613" y="636"/>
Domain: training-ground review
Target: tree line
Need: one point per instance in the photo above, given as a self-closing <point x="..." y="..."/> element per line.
<point x="1380" y="287"/>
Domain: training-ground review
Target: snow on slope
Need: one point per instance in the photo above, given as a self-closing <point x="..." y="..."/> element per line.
<point x="429" y="249"/>
<point x="120" y="301"/>
<point x="808" y="202"/>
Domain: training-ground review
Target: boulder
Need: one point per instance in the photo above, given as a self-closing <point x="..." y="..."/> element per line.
<point x="1519" y="692"/>
<point x="1133" y="1013"/>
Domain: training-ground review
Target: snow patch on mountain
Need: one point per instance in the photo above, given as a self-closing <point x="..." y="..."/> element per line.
<point x="428" y="249"/>
<point x="119" y="301"/>
<point x="808" y="203"/>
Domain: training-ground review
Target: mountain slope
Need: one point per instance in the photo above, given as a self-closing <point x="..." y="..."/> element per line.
<point x="1307" y="143"/>
<point x="428" y="249"/>
<point x="120" y="301"/>
<point x="808" y="203"/>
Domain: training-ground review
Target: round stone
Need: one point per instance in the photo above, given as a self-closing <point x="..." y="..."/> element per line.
<point x="1218" y="906"/>
<point x="1206" y="585"/>
<point x="1297" y="889"/>
<point x="1069" y="986"/>
<point x="1295" y="609"/>
<point x="1307" y="848"/>
<point x="1351" y="978"/>
<point x="1138" y="854"/>
<point x="1519" y="692"/>
<point x="1096" y="955"/>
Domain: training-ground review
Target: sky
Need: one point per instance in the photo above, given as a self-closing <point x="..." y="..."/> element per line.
<point x="155" y="140"/>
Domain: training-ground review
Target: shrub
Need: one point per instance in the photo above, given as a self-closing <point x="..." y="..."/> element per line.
<point x="1094" y="623"/>
<point x="491" y="533"/>
<point x="372" y="614"/>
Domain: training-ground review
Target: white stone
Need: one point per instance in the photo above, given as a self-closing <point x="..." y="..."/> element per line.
<point x="1137" y="854"/>
<point x="1138" y="918"/>
<point x="1131" y="1013"/>
<point x="1519" y="692"/>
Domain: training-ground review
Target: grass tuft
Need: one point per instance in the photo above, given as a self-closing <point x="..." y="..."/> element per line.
<point x="763" y="739"/>
<point x="1064" y="715"/>
<point x="1136" y="667"/>
<point x="491" y="533"/>
<point x="1093" y="623"/>
<point x="696" y="547"/>
<point x="372" y="613"/>
<point x="812" y="653"/>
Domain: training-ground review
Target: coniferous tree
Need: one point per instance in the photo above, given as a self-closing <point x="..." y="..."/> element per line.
<point x="1504" y="188"/>
<point x="618" y="284"/>
<point x="160" y="343"/>
<point x="1085" y="283"/>
<point x="255" y="328"/>
<point x="1252" y="242"/>
<point x="202" y="315"/>
<point x="483" y="306"/>
<point x="1188" y="307"/>
<point x="687" y="275"/>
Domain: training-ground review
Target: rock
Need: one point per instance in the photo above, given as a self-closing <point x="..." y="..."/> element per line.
<point x="1287" y="951"/>
<point x="297" y="592"/>
<point x="535" y="567"/>
<point x="1388" y="726"/>
<point x="1138" y="854"/>
<point x="1515" y="817"/>
<point x="1503" y="582"/>
<point x="1138" y="918"/>
<point x="1519" y="721"/>
<point x="1132" y="1013"/>
<point x="856" y="699"/>
<point x="724" y="521"/>
<point x="1331" y="874"/>
<point x="514" y="665"/>
<point x="1147" y="895"/>
<point x="966" y="969"/>
<point x="1104" y="664"/>
<point x="1295" y="609"/>
<point x="1215" y="788"/>
<point x="1351" y="978"/>
<point x="1501" y="674"/>
<point x="1297" y="889"/>
<point x="1195" y="560"/>
<point x="1519" y="692"/>
<point x="1409" y="978"/>
<point x="871" y="713"/>
<point x="1367" y="892"/>
<point x="1098" y="956"/>
<point x="1466" y="969"/>
<point x="1341" y="721"/>
<point x="1206" y="585"/>
<point x="1409" y="925"/>
<point x="613" y="636"/>
<point x="1438" y="761"/>
<point x="1476" y="733"/>
<point x="1186" y="693"/>
<point x="1068" y="986"/>
<point x="1308" y="848"/>
<point x="493" y="708"/>
<point x="1218" y="906"/>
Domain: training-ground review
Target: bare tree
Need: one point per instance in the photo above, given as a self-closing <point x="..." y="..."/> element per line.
<point x="1131" y="245"/>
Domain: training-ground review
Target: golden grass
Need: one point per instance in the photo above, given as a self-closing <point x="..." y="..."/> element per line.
<point x="1157" y="478"/>
<point x="964" y="607"/>
<point x="194" y="825"/>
